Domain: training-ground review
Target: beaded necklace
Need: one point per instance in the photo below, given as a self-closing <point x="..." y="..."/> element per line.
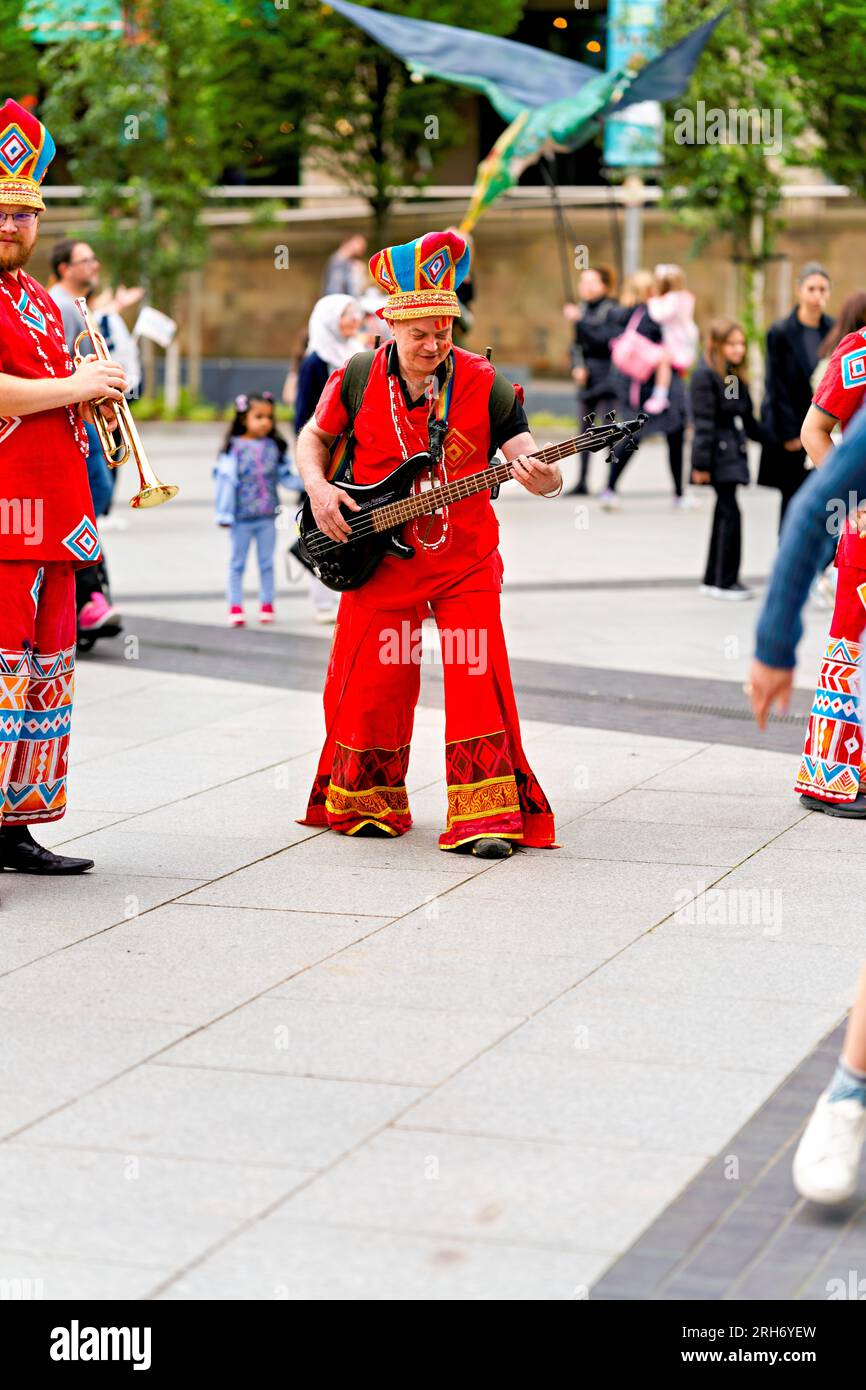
<point x="438" y="408"/>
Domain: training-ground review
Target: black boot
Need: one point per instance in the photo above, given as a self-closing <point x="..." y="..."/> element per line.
<point x="488" y="847"/>
<point x="19" y="851"/>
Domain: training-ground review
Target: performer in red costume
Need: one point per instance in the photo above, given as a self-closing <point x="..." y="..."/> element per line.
<point x="47" y="528"/>
<point x="494" y="800"/>
<point x="831" y="774"/>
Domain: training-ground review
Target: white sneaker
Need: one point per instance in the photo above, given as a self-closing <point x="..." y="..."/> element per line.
<point x="686" y="504"/>
<point x="325" y="615"/>
<point x="609" y="501"/>
<point x="734" y="593"/>
<point x="827" y="1161"/>
<point x="709" y="590"/>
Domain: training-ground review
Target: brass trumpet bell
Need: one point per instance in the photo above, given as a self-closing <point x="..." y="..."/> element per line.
<point x="124" y="441"/>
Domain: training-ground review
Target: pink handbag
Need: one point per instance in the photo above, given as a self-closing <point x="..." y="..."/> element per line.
<point x="633" y="353"/>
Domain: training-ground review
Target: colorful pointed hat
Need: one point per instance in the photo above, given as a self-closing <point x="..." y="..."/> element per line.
<point x="420" y="277"/>
<point x="26" y="150"/>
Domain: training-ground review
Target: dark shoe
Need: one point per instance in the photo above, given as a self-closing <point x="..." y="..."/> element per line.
<point x="20" y="852"/>
<point x="852" y="810"/>
<point x="369" y="831"/>
<point x="488" y="847"/>
<point x="580" y="489"/>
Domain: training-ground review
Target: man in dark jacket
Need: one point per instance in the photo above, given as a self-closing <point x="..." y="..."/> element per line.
<point x="792" y="356"/>
<point x="597" y="319"/>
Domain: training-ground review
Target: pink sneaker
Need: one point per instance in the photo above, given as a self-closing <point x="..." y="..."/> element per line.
<point x="657" y="403"/>
<point x="266" y="613"/>
<point x="96" y="613"/>
<point x="236" y="617"/>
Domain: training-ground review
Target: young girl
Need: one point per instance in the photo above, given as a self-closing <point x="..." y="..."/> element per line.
<point x="723" y="417"/>
<point x="673" y="307"/>
<point x="253" y="462"/>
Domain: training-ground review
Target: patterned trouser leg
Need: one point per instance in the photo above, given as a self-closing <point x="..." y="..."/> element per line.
<point x="832" y="764"/>
<point x="370" y="695"/>
<point x="37" y="674"/>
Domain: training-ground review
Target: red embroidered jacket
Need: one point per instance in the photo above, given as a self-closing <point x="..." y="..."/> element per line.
<point x="46" y="511"/>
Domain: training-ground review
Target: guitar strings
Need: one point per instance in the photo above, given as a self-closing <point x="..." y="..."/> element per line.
<point x="366" y="525"/>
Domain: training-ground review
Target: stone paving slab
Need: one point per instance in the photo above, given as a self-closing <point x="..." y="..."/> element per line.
<point x="321" y="1263"/>
<point x="126" y="1206"/>
<point x="160" y="966"/>
<point x="476" y="1188"/>
<point x="291" y="1036"/>
<point x="46" y="1276"/>
<point x="234" y="1118"/>
<point x="571" y="1099"/>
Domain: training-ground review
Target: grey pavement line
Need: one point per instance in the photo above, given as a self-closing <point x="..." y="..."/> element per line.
<point x="687" y="707"/>
<point x="519" y="586"/>
<point x="657" y="1265"/>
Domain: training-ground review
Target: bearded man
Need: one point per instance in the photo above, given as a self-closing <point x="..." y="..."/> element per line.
<point x="47" y="527"/>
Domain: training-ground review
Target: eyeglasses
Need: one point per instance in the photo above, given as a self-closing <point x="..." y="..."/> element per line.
<point x="21" y="219"/>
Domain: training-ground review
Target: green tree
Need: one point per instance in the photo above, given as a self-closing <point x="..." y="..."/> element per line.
<point x="730" y="183"/>
<point x="18" y="54"/>
<point x="369" y="123"/>
<point x="137" y="118"/>
<point x="820" y="46"/>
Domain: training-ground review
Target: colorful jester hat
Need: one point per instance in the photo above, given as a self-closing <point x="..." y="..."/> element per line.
<point x="420" y="277"/>
<point x="26" y="150"/>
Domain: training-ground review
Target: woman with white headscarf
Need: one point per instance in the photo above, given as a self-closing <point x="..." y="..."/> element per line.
<point x="333" y="338"/>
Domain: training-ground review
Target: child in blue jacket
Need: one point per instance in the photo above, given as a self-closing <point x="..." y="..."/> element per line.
<point x="247" y="472"/>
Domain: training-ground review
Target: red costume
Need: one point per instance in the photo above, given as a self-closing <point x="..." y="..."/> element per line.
<point x="47" y="527"/>
<point x="373" y="677"/>
<point x="832" y="768"/>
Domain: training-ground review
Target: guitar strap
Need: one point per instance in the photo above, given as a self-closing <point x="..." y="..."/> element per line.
<point x="352" y="389"/>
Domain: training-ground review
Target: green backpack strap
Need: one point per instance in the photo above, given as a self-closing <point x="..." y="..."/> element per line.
<point x="352" y="388"/>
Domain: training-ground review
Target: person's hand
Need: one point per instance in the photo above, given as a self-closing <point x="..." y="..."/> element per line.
<point x="768" y="686"/>
<point x="580" y="375"/>
<point x="700" y="477"/>
<point x="793" y="446"/>
<point x="96" y="378"/>
<point x="572" y="312"/>
<point x="127" y="295"/>
<point x="535" y="476"/>
<point x="326" y="500"/>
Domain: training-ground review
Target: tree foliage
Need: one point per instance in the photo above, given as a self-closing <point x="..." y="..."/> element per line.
<point x="137" y="117"/>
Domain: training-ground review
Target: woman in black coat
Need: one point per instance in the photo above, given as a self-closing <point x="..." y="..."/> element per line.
<point x="793" y="345"/>
<point x="597" y="319"/>
<point x="723" y="419"/>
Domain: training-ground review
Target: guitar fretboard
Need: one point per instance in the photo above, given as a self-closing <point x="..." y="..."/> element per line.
<point x="432" y="498"/>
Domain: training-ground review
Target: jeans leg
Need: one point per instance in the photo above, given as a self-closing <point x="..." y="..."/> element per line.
<point x="266" y="541"/>
<point x="241" y="535"/>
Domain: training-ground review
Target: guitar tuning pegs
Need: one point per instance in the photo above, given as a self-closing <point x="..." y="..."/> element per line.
<point x="588" y="419"/>
<point x="611" y="417"/>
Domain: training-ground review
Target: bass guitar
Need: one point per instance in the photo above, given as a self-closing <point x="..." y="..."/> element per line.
<point x="386" y="506"/>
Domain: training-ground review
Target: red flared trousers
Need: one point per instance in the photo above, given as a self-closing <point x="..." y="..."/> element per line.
<point x="37" y="676"/>
<point x="371" y="691"/>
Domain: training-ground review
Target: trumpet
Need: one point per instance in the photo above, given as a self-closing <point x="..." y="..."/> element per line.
<point x="123" y="442"/>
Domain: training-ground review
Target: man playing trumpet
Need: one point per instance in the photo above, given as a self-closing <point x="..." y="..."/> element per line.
<point x="47" y="527"/>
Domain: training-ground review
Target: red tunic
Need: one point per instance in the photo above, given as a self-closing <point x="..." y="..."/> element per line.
<point x="46" y="511"/>
<point x="840" y="393"/>
<point x="467" y="539"/>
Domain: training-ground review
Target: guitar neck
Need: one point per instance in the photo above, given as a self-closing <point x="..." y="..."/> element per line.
<point x="432" y="498"/>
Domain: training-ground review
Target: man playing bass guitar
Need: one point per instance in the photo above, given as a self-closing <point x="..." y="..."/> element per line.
<point x="494" y="800"/>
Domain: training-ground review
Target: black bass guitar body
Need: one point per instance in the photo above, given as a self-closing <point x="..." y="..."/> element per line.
<point x="343" y="565"/>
